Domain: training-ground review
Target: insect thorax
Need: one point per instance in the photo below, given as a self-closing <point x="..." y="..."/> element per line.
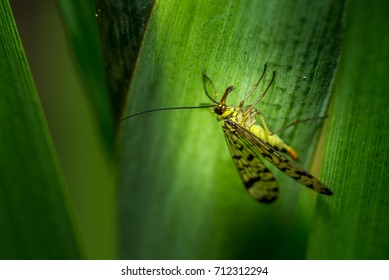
<point x="242" y="116"/>
<point x="247" y="118"/>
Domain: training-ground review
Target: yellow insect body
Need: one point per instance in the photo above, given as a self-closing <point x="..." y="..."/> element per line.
<point x="247" y="117"/>
<point x="248" y="142"/>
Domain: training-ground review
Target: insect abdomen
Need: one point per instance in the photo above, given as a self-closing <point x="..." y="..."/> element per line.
<point x="273" y="140"/>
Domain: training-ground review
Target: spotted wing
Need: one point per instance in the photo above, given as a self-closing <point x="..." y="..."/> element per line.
<point x="257" y="145"/>
<point x="257" y="178"/>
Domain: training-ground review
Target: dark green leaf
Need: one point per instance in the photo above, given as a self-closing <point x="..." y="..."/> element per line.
<point x="355" y="224"/>
<point x="36" y="222"/>
<point x="121" y="25"/>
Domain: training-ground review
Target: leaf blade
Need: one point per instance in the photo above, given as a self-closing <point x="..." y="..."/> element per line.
<point x="36" y="219"/>
<point x="353" y="225"/>
<point x="177" y="178"/>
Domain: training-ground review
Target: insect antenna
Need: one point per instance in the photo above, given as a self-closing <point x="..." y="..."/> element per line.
<point x="205" y="80"/>
<point x="166" y="109"/>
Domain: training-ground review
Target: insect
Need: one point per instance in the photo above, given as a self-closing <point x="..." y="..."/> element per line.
<point x="250" y="141"/>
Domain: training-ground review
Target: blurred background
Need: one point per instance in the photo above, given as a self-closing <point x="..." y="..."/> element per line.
<point x="72" y="127"/>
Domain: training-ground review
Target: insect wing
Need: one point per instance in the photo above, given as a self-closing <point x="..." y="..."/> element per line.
<point x="257" y="145"/>
<point x="259" y="181"/>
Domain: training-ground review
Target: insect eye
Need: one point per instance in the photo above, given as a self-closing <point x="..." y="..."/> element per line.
<point x="220" y="109"/>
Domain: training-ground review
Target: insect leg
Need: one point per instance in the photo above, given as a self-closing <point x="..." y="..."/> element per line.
<point x="247" y="113"/>
<point x="296" y="122"/>
<point x="281" y="145"/>
<point x="263" y="122"/>
<point x="254" y="87"/>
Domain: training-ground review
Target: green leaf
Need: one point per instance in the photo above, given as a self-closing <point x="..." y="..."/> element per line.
<point x="36" y="221"/>
<point x="121" y="24"/>
<point x="79" y="19"/>
<point x="180" y="195"/>
<point x="355" y="224"/>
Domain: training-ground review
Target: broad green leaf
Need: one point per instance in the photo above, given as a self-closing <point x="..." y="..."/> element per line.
<point x="180" y="195"/>
<point x="35" y="216"/>
<point x="355" y="224"/>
